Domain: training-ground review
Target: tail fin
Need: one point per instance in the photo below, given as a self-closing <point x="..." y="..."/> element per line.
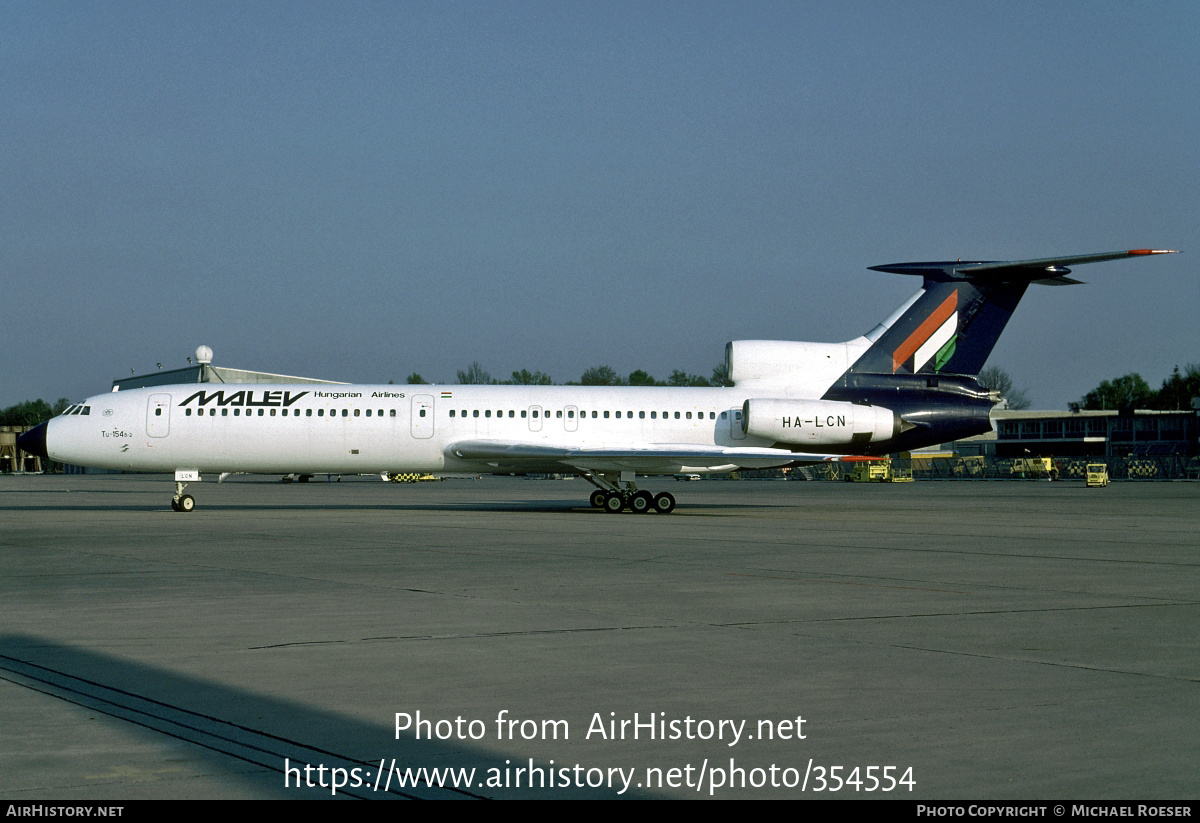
<point x="952" y="324"/>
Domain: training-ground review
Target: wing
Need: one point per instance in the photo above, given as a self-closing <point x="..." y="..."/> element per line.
<point x="653" y="458"/>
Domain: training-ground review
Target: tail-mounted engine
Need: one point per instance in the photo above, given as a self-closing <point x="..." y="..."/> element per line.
<point x="819" y="423"/>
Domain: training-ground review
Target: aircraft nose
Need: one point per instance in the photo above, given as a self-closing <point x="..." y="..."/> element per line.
<point x="34" y="441"/>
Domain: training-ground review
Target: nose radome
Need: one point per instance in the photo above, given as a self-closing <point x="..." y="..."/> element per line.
<point x="34" y="441"/>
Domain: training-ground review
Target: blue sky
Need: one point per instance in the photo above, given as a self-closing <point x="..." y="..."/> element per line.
<point x="357" y="191"/>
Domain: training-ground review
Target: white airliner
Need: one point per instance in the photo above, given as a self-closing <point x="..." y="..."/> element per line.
<point x="909" y="382"/>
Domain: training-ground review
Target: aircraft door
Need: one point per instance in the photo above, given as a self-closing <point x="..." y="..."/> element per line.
<point x="535" y="418"/>
<point x="571" y="421"/>
<point x="737" y="425"/>
<point x="158" y="415"/>
<point x="422" y="416"/>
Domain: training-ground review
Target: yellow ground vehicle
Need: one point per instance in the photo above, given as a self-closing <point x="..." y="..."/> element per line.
<point x="873" y="470"/>
<point x="1097" y="474"/>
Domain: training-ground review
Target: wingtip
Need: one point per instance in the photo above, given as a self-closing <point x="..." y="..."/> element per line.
<point x="1153" y="251"/>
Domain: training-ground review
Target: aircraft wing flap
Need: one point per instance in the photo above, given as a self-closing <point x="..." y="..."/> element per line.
<point x="665" y="457"/>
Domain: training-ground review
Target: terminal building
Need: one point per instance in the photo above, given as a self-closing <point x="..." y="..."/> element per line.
<point x="1108" y="434"/>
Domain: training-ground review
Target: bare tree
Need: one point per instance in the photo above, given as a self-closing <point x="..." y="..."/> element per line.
<point x="997" y="379"/>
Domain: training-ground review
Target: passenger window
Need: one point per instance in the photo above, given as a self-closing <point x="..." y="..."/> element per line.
<point x="535" y="413"/>
<point x="653" y="415"/>
<point x="676" y="415"/>
<point x="307" y="412"/>
<point x="422" y="412"/>
<point x="272" y="412"/>
<point x="224" y="412"/>
<point x="368" y="412"/>
<point x="606" y="415"/>
<point x="158" y="412"/>
<point x="392" y="413"/>
<point x="641" y="415"/>
<point x="558" y="414"/>
<point x="570" y="415"/>
<point x="618" y="415"/>
<point x="452" y="412"/>
<point x="356" y="412"/>
<point x="511" y="413"/>
<point x="320" y="412"/>
<point x="689" y="415"/>
<point x="475" y="412"/>
<point x="522" y="414"/>
<point x="345" y="412"/>
<point x="238" y="412"/>
<point x="188" y="412"/>
<point x="593" y="415"/>
<point x="260" y="412"/>
<point x="487" y="412"/>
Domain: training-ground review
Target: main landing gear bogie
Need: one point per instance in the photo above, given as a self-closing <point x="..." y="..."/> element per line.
<point x="641" y="502"/>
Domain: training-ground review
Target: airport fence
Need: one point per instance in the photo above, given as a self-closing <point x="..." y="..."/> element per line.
<point x="1141" y="467"/>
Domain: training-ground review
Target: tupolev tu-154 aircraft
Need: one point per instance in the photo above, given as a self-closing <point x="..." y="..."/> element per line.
<point x="909" y="382"/>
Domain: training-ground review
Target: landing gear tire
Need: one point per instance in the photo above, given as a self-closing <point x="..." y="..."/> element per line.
<point x="641" y="502"/>
<point x="613" y="503"/>
<point x="664" y="502"/>
<point x="174" y="504"/>
<point x="597" y="498"/>
<point x="184" y="504"/>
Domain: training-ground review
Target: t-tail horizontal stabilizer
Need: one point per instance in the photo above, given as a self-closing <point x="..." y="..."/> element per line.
<point x="953" y="323"/>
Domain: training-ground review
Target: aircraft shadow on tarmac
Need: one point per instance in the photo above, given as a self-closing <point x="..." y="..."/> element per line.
<point x="229" y="727"/>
